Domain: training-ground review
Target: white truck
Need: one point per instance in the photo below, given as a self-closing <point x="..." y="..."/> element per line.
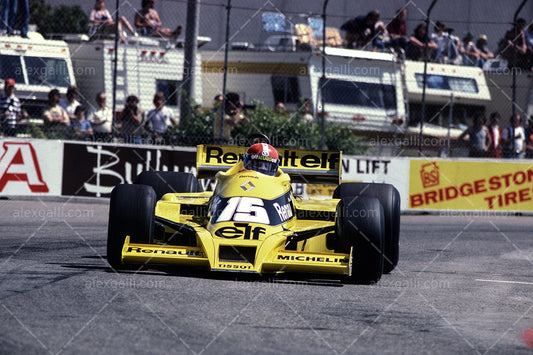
<point x="37" y="65"/>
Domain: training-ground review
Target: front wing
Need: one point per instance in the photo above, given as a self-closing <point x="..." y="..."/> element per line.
<point x="221" y="255"/>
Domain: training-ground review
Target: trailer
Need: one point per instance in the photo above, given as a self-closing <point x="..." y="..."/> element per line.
<point x="145" y="65"/>
<point x="361" y="89"/>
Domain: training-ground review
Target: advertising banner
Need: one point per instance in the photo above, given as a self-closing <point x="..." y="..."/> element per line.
<point x="309" y="166"/>
<point x="30" y="167"/>
<point x="94" y="169"/>
<point x="365" y="169"/>
<point x="470" y="185"/>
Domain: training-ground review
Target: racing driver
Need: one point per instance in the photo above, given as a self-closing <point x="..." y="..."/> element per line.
<point x="263" y="158"/>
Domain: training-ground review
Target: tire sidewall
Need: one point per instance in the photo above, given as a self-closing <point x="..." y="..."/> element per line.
<point x="131" y="212"/>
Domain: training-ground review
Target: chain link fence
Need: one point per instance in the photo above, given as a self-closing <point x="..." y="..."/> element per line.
<point x="370" y="99"/>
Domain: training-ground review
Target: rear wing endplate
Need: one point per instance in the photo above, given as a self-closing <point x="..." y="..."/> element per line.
<point x="304" y="166"/>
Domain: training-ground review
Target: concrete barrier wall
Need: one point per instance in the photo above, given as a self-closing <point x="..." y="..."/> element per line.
<point x="56" y="168"/>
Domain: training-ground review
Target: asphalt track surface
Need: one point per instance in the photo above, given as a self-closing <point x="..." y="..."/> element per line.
<point x="464" y="284"/>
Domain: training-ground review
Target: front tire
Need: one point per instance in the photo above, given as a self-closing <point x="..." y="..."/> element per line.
<point x="360" y="229"/>
<point x="389" y="197"/>
<point x="131" y="212"/>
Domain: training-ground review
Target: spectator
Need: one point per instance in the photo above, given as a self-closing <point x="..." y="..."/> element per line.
<point x="218" y="99"/>
<point x="280" y="109"/>
<point x="484" y="51"/>
<point x="217" y="103"/>
<point x="70" y="103"/>
<point x="415" y="49"/>
<point x="514" y="139"/>
<point x="528" y="33"/>
<point x="382" y="38"/>
<point x="101" y="119"/>
<point x="529" y="138"/>
<point x="55" y="117"/>
<point x="101" y="22"/>
<point x="494" y="150"/>
<point x="447" y="45"/>
<point x="360" y="30"/>
<point x="10" y="109"/>
<point x="397" y="29"/>
<point x="148" y="23"/>
<point x="470" y="53"/>
<point x="307" y="111"/>
<point x="160" y="118"/>
<point x="80" y="125"/>
<point x="514" y="42"/>
<point x="478" y="137"/>
<point x="233" y="115"/>
<point x="131" y="121"/>
<point x="9" y="15"/>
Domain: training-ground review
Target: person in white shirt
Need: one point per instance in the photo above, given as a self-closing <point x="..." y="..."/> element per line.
<point x="447" y="44"/>
<point x="514" y="139"/>
<point x="101" y="119"/>
<point x="70" y="103"/>
<point x="160" y="118"/>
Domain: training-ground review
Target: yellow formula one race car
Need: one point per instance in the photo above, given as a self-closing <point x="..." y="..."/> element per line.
<point x="252" y="222"/>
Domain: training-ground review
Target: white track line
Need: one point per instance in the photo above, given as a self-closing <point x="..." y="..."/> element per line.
<point x="506" y="282"/>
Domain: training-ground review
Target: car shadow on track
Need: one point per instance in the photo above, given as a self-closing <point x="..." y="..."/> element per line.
<point x="172" y="270"/>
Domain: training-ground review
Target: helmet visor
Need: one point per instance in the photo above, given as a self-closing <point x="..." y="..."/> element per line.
<point x="267" y="167"/>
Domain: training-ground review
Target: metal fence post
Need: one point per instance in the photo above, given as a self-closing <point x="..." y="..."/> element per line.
<point x="189" y="65"/>
<point x="426" y="39"/>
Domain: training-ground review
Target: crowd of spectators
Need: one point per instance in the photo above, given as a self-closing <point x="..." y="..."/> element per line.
<point x="146" y="22"/>
<point x="370" y="33"/>
<point x="492" y="141"/>
<point x="67" y="118"/>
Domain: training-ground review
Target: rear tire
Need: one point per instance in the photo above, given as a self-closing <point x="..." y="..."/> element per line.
<point x="131" y="212"/>
<point x="164" y="182"/>
<point x="360" y="228"/>
<point x="389" y="198"/>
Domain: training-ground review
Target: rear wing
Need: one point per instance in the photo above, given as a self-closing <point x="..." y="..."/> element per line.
<point x="304" y="166"/>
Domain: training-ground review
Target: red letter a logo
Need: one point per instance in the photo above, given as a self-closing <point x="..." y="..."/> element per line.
<point x="19" y="163"/>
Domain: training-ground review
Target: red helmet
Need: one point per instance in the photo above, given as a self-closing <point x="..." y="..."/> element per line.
<point x="262" y="157"/>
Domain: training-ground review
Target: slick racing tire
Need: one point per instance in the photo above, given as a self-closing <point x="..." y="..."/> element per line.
<point x="164" y="182"/>
<point x="390" y="200"/>
<point x="361" y="228"/>
<point x="131" y="212"/>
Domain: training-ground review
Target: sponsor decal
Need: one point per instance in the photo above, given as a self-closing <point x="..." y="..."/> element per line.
<point x="239" y="230"/>
<point x="140" y="250"/>
<point x="316" y="259"/>
<point x="285" y="212"/>
<point x="19" y="163"/>
<point x="247" y="186"/>
<point x="471" y="185"/>
<point x="288" y="158"/>
<point x="252" y="209"/>
<point x="235" y="266"/>
<point x="318" y="190"/>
